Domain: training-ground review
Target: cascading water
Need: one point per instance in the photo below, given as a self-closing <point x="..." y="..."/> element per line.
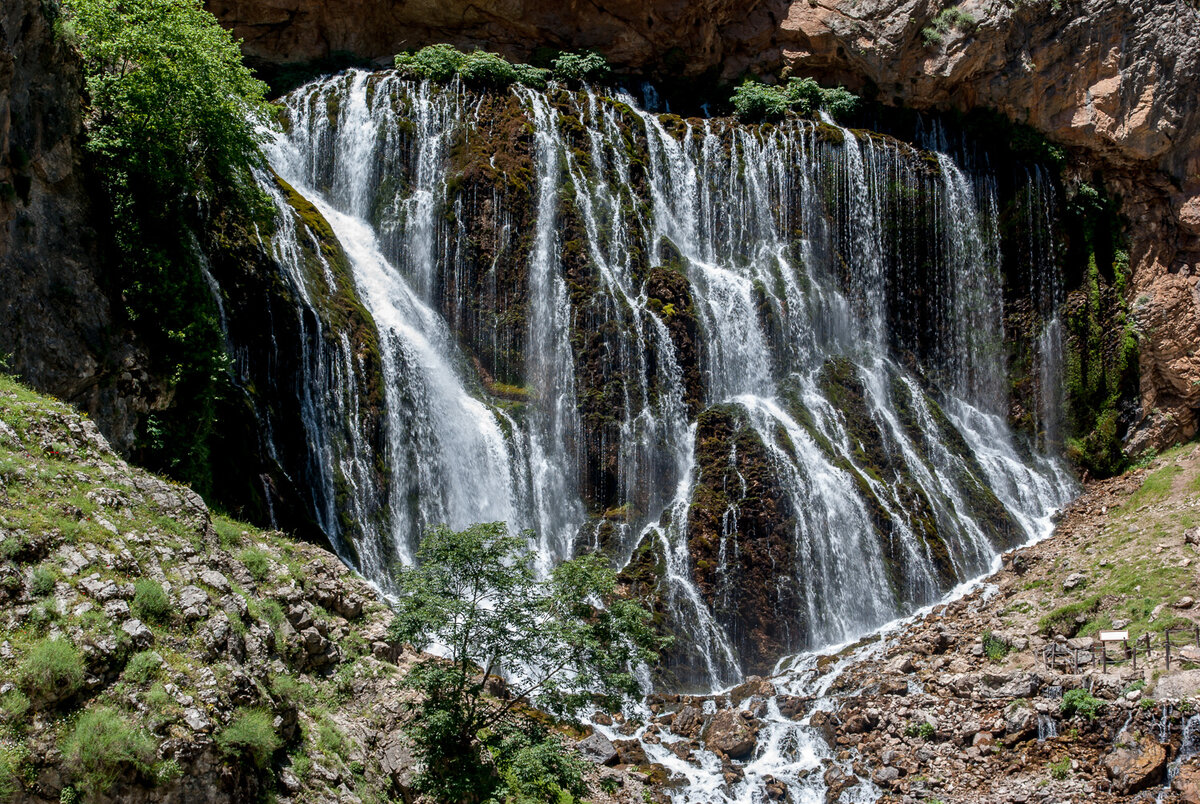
<point x="704" y="348"/>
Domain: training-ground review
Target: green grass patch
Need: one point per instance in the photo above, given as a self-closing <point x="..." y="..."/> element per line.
<point x="257" y="562"/>
<point x="150" y="602"/>
<point x="1156" y="486"/>
<point x="52" y="671"/>
<point x="143" y="666"/>
<point x="104" y="748"/>
<point x="250" y="737"/>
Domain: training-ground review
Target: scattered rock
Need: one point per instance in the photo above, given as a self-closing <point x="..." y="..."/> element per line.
<point x="1074" y="581"/>
<point x="597" y="749"/>
<point x="1135" y="763"/>
<point x="729" y="733"/>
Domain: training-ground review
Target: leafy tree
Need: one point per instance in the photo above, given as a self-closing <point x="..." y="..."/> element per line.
<point x="172" y="132"/>
<point x="435" y="62"/>
<point x="172" y="107"/>
<point x="753" y="101"/>
<point x="476" y="596"/>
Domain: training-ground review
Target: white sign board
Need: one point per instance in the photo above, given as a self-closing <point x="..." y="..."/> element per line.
<point x="1114" y="636"/>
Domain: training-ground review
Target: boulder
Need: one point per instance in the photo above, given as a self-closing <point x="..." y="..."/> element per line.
<point x="630" y="752"/>
<point x="139" y="634"/>
<point x="1186" y="783"/>
<point x="1135" y="763"/>
<point x="688" y="721"/>
<point x="731" y="734"/>
<point x="597" y="749"/>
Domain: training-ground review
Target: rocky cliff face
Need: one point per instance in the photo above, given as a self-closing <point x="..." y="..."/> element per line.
<point x="57" y="326"/>
<point x="1115" y="81"/>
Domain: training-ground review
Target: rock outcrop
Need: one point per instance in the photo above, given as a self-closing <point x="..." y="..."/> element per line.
<point x="57" y="324"/>
<point x="1115" y="81"/>
<point x="203" y="659"/>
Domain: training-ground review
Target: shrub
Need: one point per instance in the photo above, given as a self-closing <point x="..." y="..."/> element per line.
<point x="1061" y="769"/>
<point x="485" y="69"/>
<point x="143" y="666"/>
<point x="105" y="747"/>
<point x="14" y="706"/>
<point x="577" y="68"/>
<point x="753" y="101"/>
<point x="52" y="671"/>
<point x="530" y="76"/>
<point x="839" y="102"/>
<point x="258" y="564"/>
<point x="1080" y="702"/>
<point x="805" y="95"/>
<point x="44" y="579"/>
<point x="433" y="63"/>
<point x="10" y="772"/>
<point x="150" y="602"/>
<point x="250" y="736"/>
<point x="994" y="647"/>
<point x="943" y="22"/>
<point x="924" y="730"/>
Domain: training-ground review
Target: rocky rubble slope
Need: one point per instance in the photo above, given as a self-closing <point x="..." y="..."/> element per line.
<point x="960" y="706"/>
<point x="151" y="650"/>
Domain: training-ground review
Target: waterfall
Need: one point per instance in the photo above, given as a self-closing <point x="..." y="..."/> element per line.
<point x="759" y="367"/>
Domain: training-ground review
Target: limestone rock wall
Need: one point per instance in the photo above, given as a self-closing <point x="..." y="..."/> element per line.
<point x="1116" y="81"/>
<point x="57" y="325"/>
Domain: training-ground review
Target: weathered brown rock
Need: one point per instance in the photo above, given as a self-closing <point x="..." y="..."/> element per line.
<point x="1135" y="764"/>
<point x="729" y="733"/>
<point x="1187" y="784"/>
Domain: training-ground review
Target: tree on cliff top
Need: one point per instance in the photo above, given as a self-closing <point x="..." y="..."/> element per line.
<point x="173" y="110"/>
<point x="172" y="132"/>
<point x="564" y="643"/>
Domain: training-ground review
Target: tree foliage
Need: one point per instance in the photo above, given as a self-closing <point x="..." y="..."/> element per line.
<point x="563" y="643"/>
<point x="173" y="108"/>
<point x="754" y="101"/>
<point x="172" y="134"/>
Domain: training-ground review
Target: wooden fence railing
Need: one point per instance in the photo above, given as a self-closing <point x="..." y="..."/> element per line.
<point x="1113" y="653"/>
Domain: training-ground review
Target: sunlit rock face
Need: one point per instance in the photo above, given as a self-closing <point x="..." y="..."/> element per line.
<point x="1117" y="81"/>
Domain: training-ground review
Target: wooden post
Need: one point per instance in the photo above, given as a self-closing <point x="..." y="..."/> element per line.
<point x="1104" y="653"/>
<point x="1134" y="652"/>
<point x="1167" y="647"/>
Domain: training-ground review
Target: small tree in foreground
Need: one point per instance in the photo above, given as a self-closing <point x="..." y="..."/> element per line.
<point x="563" y="643"/>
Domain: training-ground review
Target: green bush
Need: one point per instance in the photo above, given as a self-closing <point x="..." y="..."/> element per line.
<point x="1061" y="769"/>
<point x="14" y="706"/>
<point x="150" y="602"/>
<point x="143" y="666"/>
<point x="257" y="562"/>
<point x="104" y="748"/>
<point x="480" y="69"/>
<point x="944" y="21"/>
<point x="433" y="62"/>
<point x="994" y="647"/>
<point x="44" y="579"/>
<point x="576" y="68"/>
<point x="839" y="102"/>
<point x="250" y="736"/>
<point x="485" y="69"/>
<point x="753" y="101"/>
<point x="52" y="670"/>
<point x="543" y="771"/>
<point x="1080" y="702"/>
